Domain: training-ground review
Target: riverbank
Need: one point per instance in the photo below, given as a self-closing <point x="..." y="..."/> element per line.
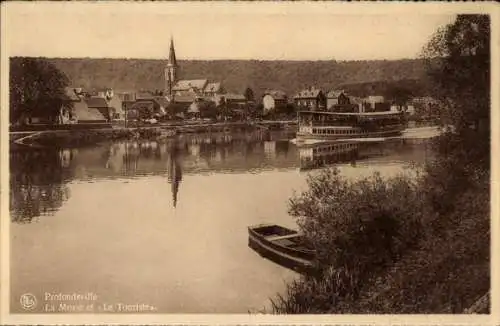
<point x="81" y="137"/>
<point x="395" y="245"/>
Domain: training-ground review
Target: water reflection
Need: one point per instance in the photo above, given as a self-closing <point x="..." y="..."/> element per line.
<point x="363" y="153"/>
<point x="174" y="173"/>
<point x="38" y="182"/>
<point x="39" y="177"/>
<point x="321" y="155"/>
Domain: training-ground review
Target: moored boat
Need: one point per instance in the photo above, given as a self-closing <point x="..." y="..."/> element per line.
<point x="283" y="246"/>
<point x="323" y="125"/>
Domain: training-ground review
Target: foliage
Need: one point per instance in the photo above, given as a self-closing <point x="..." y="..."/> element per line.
<point x="448" y="270"/>
<point x="208" y="109"/>
<point x="360" y="227"/>
<point x="399" y="95"/>
<point x="418" y="87"/>
<point x="224" y="110"/>
<point x="288" y="109"/>
<point x="174" y="109"/>
<point x="249" y="96"/>
<point x="256" y="111"/>
<point x="462" y="83"/>
<point x="383" y="246"/>
<point x="37" y="88"/>
<point x="145" y="111"/>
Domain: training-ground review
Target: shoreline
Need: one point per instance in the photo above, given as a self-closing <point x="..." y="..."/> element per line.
<point x="82" y="137"/>
<point x="85" y="137"/>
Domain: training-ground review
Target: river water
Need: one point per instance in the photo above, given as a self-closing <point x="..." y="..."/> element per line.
<point x="164" y="223"/>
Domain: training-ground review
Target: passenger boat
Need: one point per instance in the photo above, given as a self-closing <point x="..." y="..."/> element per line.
<point x="323" y="125"/>
<point x="283" y="246"/>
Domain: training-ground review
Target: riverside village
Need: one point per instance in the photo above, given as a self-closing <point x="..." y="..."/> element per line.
<point x="252" y="186"/>
<point x="205" y="103"/>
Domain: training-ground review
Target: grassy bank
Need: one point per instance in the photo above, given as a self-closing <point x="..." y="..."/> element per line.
<point x="78" y="137"/>
<point x="398" y="245"/>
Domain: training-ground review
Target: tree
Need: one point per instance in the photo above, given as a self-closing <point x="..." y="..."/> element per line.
<point x="175" y="109"/>
<point x="400" y="96"/>
<point x="37" y="88"/>
<point x="458" y="59"/>
<point x="145" y="111"/>
<point x="208" y="109"/>
<point x="224" y="110"/>
<point x="249" y="95"/>
<point x="256" y="111"/>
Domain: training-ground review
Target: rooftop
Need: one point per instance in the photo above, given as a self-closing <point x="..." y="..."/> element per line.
<point x="335" y="93"/>
<point x="142" y="104"/>
<point x="83" y="112"/>
<point x="212" y="87"/>
<point x="162" y="101"/>
<point x="71" y="94"/>
<point x="231" y="96"/>
<point x="143" y="95"/>
<point x="276" y="94"/>
<point x="190" y="83"/>
<point x="184" y="98"/>
<point x="308" y="93"/>
<point x="96" y="102"/>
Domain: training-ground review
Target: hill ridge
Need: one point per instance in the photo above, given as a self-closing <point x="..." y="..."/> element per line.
<point x="236" y="75"/>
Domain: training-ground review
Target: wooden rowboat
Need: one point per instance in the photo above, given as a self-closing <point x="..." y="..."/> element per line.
<point x="283" y="246"/>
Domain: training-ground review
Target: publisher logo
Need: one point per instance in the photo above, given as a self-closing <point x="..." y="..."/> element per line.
<point x="28" y="301"/>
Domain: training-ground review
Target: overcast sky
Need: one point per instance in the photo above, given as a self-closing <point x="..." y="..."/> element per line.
<point x="293" y="31"/>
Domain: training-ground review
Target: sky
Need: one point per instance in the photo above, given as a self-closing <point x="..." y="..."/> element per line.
<point x="203" y="30"/>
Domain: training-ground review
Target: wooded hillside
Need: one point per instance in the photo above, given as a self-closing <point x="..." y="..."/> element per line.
<point x="363" y="77"/>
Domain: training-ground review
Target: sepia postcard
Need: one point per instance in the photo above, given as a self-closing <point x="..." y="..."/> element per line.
<point x="249" y="163"/>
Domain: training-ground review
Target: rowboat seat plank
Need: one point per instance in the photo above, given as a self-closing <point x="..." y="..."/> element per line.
<point x="284" y="242"/>
<point x="280" y="237"/>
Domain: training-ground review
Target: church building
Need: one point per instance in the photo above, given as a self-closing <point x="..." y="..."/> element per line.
<point x="178" y="90"/>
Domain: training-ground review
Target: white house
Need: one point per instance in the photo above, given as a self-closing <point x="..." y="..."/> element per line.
<point x="273" y="99"/>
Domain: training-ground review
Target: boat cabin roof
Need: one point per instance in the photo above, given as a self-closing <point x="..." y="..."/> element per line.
<point x="334" y="127"/>
<point x="358" y="114"/>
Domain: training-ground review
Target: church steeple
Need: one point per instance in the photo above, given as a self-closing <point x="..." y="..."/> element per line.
<point x="171" y="70"/>
<point x="171" y="57"/>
